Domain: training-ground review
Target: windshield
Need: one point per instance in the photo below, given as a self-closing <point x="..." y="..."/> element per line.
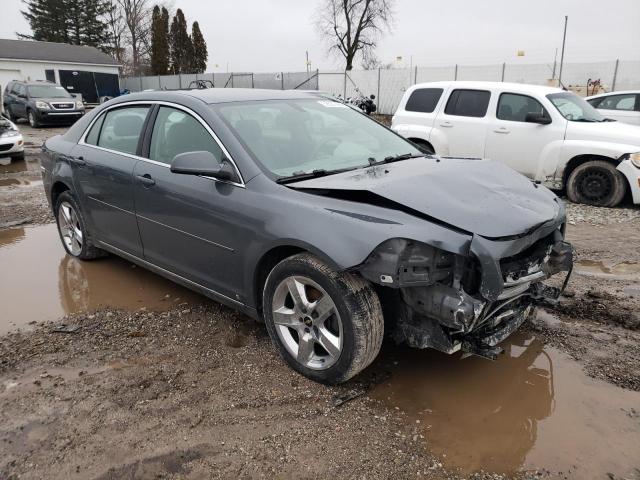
<point x="294" y="137"/>
<point x="48" y="91"/>
<point x="574" y="108"/>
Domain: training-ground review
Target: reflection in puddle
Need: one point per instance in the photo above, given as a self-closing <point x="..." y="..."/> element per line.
<point x="39" y="282"/>
<point x="531" y="408"/>
<point x="13" y="166"/>
<point x="613" y="271"/>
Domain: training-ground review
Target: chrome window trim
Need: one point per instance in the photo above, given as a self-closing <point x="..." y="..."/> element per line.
<point x="155" y="162"/>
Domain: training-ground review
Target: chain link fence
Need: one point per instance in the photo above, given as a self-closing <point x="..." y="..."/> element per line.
<point x="388" y="85"/>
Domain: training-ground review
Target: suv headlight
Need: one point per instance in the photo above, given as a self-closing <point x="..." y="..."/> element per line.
<point x="79" y="105"/>
<point x="42" y="105"/>
<point x="635" y="158"/>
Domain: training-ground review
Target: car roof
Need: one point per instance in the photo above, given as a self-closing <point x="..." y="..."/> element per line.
<point x="224" y="95"/>
<point x="617" y="92"/>
<point x="520" y="87"/>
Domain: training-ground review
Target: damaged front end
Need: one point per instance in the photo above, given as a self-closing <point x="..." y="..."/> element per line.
<point x="451" y="302"/>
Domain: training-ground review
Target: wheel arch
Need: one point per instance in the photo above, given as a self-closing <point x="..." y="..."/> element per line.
<point x="578" y="160"/>
<point x="422" y="141"/>
<point x="56" y="189"/>
<point x="272" y="257"/>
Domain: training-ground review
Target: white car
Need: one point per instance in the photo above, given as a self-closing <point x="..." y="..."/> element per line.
<point x="11" y="141"/>
<point x="549" y="135"/>
<point x="621" y="106"/>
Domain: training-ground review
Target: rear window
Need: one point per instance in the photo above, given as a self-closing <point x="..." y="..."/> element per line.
<point x="468" y="103"/>
<point x="423" y="100"/>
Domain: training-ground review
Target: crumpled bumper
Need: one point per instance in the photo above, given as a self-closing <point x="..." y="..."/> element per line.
<point x="476" y="324"/>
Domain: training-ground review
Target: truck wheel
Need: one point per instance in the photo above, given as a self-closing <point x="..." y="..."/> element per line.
<point x="12" y="117"/>
<point x="72" y="228"/>
<point x="598" y="183"/>
<point x="33" y="119"/>
<point x="327" y="325"/>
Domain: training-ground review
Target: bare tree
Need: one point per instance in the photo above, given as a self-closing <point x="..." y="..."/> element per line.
<point x="117" y="32"/>
<point x="352" y="26"/>
<point x="137" y="18"/>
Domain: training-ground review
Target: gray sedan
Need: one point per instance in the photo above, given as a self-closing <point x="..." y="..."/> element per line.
<point x="309" y="216"/>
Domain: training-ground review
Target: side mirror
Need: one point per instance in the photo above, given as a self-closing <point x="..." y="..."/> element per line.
<point x="22" y="95"/>
<point x="539" y="118"/>
<point x="202" y="163"/>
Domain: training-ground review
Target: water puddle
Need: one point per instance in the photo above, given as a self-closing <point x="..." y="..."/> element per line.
<point x="612" y="271"/>
<point x="14" y="166"/>
<point x="18" y="182"/>
<point x="533" y="408"/>
<point x="39" y="282"/>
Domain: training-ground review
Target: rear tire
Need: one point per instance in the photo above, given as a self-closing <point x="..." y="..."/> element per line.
<point x="74" y="235"/>
<point x="33" y="119"/>
<point x="327" y="308"/>
<point x="597" y="183"/>
<point x="12" y="117"/>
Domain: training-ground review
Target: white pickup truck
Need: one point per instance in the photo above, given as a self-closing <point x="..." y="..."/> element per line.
<point x="545" y="133"/>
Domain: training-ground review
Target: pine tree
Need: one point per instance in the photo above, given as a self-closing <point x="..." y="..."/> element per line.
<point x="47" y="19"/>
<point x="79" y="22"/>
<point x="159" y="41"/>
<point x="180" y="46"/>
<point x="200" y="55"/>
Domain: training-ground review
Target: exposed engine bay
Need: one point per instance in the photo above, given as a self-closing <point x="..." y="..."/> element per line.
<point x="451" y="302"/>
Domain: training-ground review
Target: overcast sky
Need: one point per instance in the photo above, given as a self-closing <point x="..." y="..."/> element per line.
<point x="272" y="35"/>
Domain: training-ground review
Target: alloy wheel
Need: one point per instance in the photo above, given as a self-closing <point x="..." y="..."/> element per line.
<point x="32" y="119"/>
<point x="307" y="322"/>
<point x="70" y="229"/>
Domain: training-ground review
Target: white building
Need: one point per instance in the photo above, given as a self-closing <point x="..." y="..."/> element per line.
<point x="79" y="69"/>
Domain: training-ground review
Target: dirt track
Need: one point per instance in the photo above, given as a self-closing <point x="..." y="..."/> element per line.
<point x="188" y="389"/>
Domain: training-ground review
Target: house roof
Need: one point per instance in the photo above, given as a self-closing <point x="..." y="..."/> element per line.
<point x="53" y="52"/>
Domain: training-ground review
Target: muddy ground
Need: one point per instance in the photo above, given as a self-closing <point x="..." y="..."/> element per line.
<point x="152" y="381"/>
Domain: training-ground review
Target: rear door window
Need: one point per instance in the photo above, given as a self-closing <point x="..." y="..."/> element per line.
<point x="175" y="132"/>
<point x="624" y="102"/>
<point x="514" y="107"/>
<point x="423" y="100"/>
<point x="468" y="103"/>
<point x="94" y="133"/>
<point x="121" y="129"/>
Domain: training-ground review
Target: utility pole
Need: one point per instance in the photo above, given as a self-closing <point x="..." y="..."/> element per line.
<point x="564" y="39"/>
<point x="307" y="53"/>
<point x="555" y="61"/>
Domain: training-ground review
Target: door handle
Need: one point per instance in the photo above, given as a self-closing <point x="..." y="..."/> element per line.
<point x="502" y="130"/>
<point x="79" y="160"/>
<point x="146" y="180"/>
<point x="446" y="124"/>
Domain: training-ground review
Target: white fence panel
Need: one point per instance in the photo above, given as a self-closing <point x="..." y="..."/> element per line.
<point x="628" y="76"/>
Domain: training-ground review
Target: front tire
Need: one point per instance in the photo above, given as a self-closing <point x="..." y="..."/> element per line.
<point x="33" y="119"/>
<point x="327" y="325"/>
<point x="598" y="183"/>
<point x="75" y="237"/>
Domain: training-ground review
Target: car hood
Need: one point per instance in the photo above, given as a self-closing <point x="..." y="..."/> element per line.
<point x="617" y="132"/>
<point x="478" y="196"/>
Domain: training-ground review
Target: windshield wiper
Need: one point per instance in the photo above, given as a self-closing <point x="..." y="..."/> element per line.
<point x="320" y="172"/>
<point x="404" y="156"/>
